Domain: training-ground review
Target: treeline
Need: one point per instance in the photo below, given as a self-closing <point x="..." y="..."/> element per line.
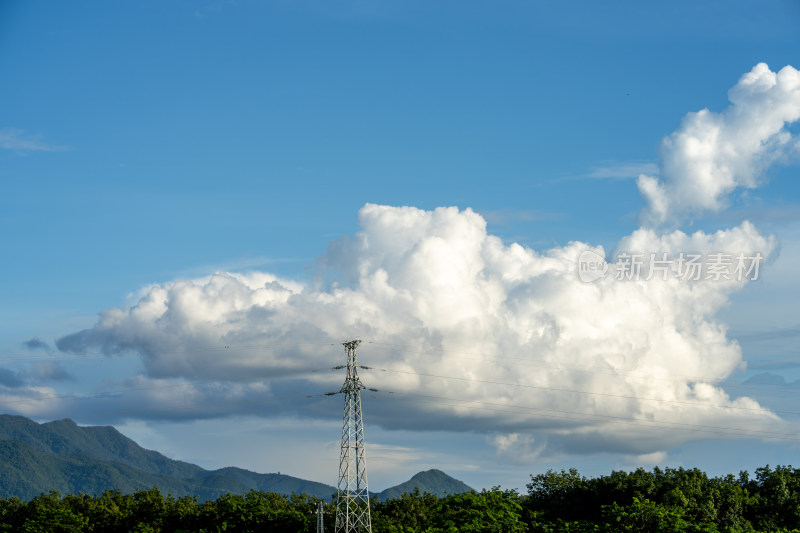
<point x="670" y="500"/>
<point x="665" y="500"/>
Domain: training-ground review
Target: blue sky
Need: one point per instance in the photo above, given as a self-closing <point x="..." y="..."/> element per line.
<point x="144" y="144"/>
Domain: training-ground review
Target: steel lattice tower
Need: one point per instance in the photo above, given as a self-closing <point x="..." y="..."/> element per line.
<point x="352" y="502"/>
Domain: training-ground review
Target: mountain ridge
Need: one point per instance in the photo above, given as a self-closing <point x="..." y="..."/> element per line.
<point x="61" y="455"/>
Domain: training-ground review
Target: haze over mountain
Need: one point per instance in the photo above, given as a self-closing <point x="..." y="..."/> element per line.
<point x="68" y="458"/>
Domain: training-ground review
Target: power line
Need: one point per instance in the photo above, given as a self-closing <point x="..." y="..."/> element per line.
<point x="484" y="406"/>
<point x="101" y="394"/>
<point x="611" y="418"/>
<point x="481" y="405"/>
<point x="275" y="376"/>
<point x="574" y="391"/>
<point x="186" y="407"/>
<point x="128" y="353"/>
<point x="648" y="423"/>
<point x="730" y="431"/>
<point x="543" y="363"/>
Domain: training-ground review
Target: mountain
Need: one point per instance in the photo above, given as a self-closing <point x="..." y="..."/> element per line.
<point x="65" y="437"/>
<point x="68" y="458"/>
<point x="433" y="481"/>
<point x="27" y="472"/>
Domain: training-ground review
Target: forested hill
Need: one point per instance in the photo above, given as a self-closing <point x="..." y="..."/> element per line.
<point x="65" y="457"/>
<point x="62" y="456"/>
<point x="65" y="437"/>
<point x="431" y="481"/>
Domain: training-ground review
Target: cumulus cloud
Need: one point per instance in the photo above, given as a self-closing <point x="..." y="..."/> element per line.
<point x="713" y="154"/>
<point x="517" y="448"/>
<point x="649" y="459"/>
<point x="467" y="333"/>
<point x="26" y="400"/>
<point x="471" y="334"/>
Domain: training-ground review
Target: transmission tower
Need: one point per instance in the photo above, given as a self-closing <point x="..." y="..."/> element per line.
<point x="320" y="523"/>
<point x="352" y="502"/>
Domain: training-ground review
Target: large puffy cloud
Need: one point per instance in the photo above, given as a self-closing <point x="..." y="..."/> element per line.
<point x="713" y="154"/>
<point x="469" y="333"/>
<point x="473" y="334"/>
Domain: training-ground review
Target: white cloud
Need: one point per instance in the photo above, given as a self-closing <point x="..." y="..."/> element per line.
<point x="518" y="448"/>
<point x="472" y="334"/>
<point x="517" y="330"/>
<point x="649" y="459"/>
<point x="27" y="400"/>
<point x="20" y="141"/>
<point x="713" y="154"/>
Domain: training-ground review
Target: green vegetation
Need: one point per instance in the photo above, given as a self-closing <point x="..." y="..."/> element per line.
<point x="70" y="459"/>
<point x="433" y="481"/>
<point x="62" y="456"/>
<point x="85" y="461"/>
<point x="150" y="511"/>
<point x="670" y="500"/>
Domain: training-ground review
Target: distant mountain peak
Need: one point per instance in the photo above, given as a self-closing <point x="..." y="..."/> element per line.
<point x="433" y="481"/>
<point x="428" y="473"/>
<point x="62" y="422"/>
